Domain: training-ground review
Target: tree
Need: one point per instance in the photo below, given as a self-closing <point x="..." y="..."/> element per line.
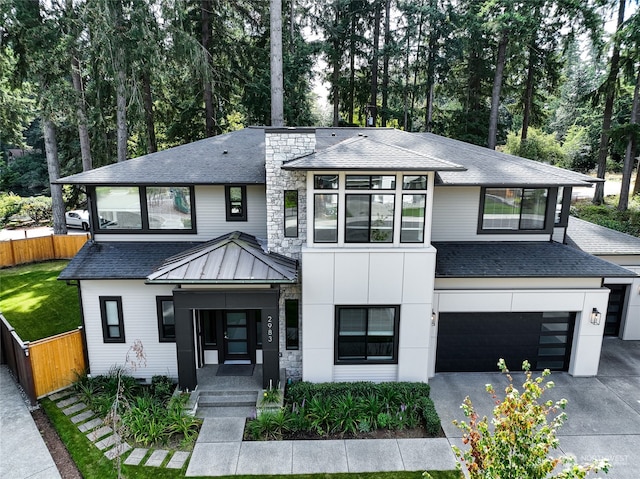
<point x="277" y="82"/>
<point x="609" y="90"/>
<point x="518" y="440"/>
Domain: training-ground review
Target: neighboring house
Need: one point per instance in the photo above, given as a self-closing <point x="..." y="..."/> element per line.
<point x="340" y="254"/>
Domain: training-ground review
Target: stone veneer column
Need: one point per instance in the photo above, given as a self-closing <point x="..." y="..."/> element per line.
<point x="284" y="144"/>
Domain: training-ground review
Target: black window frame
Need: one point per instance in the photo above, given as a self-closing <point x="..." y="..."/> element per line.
<point x="370" y="195"/>
<point x="549" y="215"/>
<point x="162" y="334"/>
<point x="106" y="337"/>
<point x="144" y="212"/>
<point x="285" y="193"/>
<point x="243" y="203"/>
<point x="566" y="205"/>
<point x="395" y="343"/>
<point x="292" y="318"/>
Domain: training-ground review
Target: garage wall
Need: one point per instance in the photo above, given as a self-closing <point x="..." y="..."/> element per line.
<point x="365" y="276"/>
<point x="587" y="338"/>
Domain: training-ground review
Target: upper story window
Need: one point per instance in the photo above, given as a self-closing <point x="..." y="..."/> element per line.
<point x="514" y="209"/>
<point x="291" y="214"/>
<point x="236" y="200"/>
<point x="375" y="207"/>
<point x="145" y="208"/>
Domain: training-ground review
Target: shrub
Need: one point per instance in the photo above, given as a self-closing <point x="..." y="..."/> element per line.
<point x="10" y="205"/>
<point x="38" y="208"/>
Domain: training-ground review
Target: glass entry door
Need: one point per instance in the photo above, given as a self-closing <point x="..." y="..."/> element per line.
<point x="236" y="336"/>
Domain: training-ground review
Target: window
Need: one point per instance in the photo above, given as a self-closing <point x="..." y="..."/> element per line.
<point x="292" y="321"/>
<point x="563" y="204"/>
<point x="414" y="182"/>
<point x="236" y="197"/>
<point x="370" y="182"/>
<point x="413" y="211"/>
<point x="291" y="214"/>
<point x="145" y="209"/>
<point x="111" y="313"/>
<point x="325" y="218"/>
<point x="367" y="334"/>
<point x="166" y="319"/>
<point x="325" y="182"/>
<point x="514" y="209"/>
<point x="369" y="218"/>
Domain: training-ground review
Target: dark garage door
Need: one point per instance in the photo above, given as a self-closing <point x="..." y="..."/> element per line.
<point x="475" y="341"/>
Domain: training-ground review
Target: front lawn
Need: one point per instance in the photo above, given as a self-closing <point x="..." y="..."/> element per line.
<point x="35" y="303"/>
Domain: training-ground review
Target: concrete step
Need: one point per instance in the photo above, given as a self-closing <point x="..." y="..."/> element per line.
<point x="227" y="400"/>
<point x="214" y="393"/>
<point x="228" y="411"/>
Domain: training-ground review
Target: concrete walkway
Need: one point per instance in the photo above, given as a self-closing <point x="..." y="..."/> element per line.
<point x="220" y="451"/>
<point x="23" y="453"/>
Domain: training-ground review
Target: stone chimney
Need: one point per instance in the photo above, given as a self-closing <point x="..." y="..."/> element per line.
<point x="284" y="144"/>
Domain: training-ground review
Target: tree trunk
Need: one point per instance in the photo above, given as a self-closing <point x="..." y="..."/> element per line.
<point x="121" y="112"/>
<point x="528" y="95"/>
<point x="277" y="88"/>
<point x="57" y="203"/>
<point x="152" y="145"/>
<point x="373" y="107"/>
<point x="415" y="70"/>
<point x="385" y="64"/>
<point x="335" y="76"/>
<point x="207" y="88"/>
<point x="630" y="154"/>
<point x="352" y="67"/>
<point x="598" y="196"/>
<point x="83" y="130"/>
<point x="495" y="94"/>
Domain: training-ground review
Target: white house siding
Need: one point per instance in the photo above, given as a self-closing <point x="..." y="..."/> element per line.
<point x="211" y="219"/>
<point x="455" y="217"/>
<point x="587" y="337"/>
<point x="348" y="276"/>
<point x="140" y="323"/>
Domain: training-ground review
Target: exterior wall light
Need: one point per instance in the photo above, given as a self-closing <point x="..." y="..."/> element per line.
<point x="433" y="318"/>
<point x="595" y="316"/>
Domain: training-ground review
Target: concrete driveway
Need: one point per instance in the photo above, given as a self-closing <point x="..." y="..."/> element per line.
<point x="603" y="411"/>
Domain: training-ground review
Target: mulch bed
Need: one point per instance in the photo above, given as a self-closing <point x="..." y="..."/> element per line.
<point x="59" y="452"/>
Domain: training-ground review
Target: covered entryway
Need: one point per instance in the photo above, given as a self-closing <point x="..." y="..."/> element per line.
<point x="226" y="304"/>
<point x="471" y="341"/>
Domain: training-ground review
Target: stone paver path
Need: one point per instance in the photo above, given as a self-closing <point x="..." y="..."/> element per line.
<point x="104" y="438"/>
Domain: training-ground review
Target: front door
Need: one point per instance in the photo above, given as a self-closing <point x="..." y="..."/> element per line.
<point x="236" y="336"/>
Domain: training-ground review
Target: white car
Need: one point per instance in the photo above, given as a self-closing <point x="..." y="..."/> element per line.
<point x="77" y="219"/>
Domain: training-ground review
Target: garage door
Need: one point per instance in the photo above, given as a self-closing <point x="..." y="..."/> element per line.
<point x="475" y="341"/>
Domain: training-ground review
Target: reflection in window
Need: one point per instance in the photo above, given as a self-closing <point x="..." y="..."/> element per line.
<point x="292" y="322"/>
<point x="166" y="319"/>
<point x="371" y="182"/>
<point x="112" y="325"/>
<point x="325" y="218"/>
<point x="291" y="214"/>
<point x="369" y="218"/>
<point x="559" y="204"/>
<point x="325" y="182"/>
<point x="118" y="207"/>
<point x="414" y="182"/>
<point x="366" y="334"/>
<point x="514" y="209"/>
<point x="413" y="211"/>
<point x="236" y="197"/>
<point x="169" y="208"/>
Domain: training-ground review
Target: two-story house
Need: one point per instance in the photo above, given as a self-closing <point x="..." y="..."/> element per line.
<point x="341" y="254"/>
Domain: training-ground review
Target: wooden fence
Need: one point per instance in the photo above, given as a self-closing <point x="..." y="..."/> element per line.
<point x="44" y="366"/>
<point x="30" y="250"/>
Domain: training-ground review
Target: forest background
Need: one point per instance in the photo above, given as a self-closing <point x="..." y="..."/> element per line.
<point x="85" y="83"/>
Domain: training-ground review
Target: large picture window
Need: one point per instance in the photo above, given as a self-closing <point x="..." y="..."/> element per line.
<point x="112" y="322"/>
<point x="325" y="218"/>
<point x="145" y="209"/>
<point x="369" y="218"/>
<point x="366" y="334"/>
<point x="166" y="319"/>
<point x="514" y="209"/>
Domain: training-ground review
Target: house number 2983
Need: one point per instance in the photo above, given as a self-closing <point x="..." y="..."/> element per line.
<point x="269" y="329"/>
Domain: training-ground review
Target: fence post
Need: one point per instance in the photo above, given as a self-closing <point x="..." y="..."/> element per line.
<point x="53" y="247"/>
<point x="13" y="254"/>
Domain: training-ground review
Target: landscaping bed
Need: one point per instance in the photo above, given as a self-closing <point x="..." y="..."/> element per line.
<point x="361" y="410"/>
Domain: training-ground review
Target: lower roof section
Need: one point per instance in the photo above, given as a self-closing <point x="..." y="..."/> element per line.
<point x="232" y="258"/>
<point x="521" y="260"/>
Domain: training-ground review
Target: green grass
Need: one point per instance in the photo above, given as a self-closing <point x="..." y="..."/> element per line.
<point x="93" y="465"/>
<point x="35" y="303"/>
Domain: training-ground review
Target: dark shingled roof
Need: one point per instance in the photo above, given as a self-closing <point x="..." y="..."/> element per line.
<point x="236" y="157"/>
<point x="365" y="153"/>
<point x="120" y="260"/>
<point x="239" y="156"/>
<point x="233" y="258"/>
<point x="521" y="260"/>
<point x="598" y="240"/>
